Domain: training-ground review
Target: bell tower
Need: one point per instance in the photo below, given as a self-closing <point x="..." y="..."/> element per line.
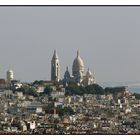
<point x="55" y="67"/>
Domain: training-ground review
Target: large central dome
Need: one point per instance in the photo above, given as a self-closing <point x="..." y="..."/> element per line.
<point x="78" y="65"/>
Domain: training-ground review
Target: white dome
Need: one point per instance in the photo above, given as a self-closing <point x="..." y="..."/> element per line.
<point x="89" y="78"/>
<point x="78" y="68"/>
<point x="10" y="71"/>
<point x="88" y="73"/>
<point x="10" y="76"/>
<point x="78" y="63"/>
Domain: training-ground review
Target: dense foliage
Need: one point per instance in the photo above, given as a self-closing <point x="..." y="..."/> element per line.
<point x="114" y="89"/>
<point x="73" y="88"/>
<point x="47" y="90"/>
<point x="137" y="95"/>
<point x="41" y="82"/>
<point x="28" y="90"/>
<point x="65" y="111"/>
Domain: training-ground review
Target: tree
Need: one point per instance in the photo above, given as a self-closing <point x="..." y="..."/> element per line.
<point x="94" y="89"/>
<point x="65" y="111"/>
<point x="47" y="90"/>
<point x="41" y="82"/>
<point x="90" y="89"/>
<point x="31" y="91"/>
<point x="28" y="90"/>
<point x="137" y="96"/>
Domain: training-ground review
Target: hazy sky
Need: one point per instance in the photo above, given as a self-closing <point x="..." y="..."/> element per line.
<point x="108" y="39"/>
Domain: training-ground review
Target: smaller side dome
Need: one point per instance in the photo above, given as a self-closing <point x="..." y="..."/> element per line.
<point x="88" y="73"/>
<point x="88" y="79"/>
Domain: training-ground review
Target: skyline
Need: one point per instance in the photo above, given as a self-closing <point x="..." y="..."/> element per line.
<point x="110" y="48"/>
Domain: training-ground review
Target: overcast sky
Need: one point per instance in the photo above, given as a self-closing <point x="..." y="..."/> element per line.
<point x="108" y="39"/>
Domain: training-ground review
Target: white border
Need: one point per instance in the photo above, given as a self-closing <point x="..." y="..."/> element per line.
<point x="69" y="2"/>
<point x="70" y="137"/>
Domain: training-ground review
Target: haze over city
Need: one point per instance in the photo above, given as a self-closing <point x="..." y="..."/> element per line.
<point x="107" y="37"/>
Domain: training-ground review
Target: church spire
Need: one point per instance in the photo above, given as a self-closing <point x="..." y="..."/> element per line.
<point x="67" y="68"/>
<point x="55" y="55"/>
<point x="55" y="52"/>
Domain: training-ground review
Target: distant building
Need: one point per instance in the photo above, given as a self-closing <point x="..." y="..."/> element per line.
<point x="122" y="89"/>
<point x="2" y="84"/>
<point x="88" y="78"/>
<point x="16" y="84"/>
<point x="78" y="73"/>
<point x="31" y="125"/>
<point x="10" y="76"/>
<point x="119" y="92"/>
